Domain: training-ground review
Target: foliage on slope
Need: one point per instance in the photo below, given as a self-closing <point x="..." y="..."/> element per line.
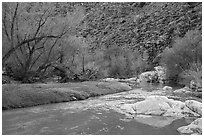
<point x="102" y="39"/>
<point x="151" y="27"/>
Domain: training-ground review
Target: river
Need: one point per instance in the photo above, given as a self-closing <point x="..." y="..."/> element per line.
<point x="96" y="116"/>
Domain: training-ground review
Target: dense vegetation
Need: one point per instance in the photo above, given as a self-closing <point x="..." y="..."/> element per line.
<point x="87" y="41"/>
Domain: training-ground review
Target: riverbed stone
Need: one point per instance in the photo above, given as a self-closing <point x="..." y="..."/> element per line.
<point x="167" y="88"/>
<point x="194" y="128"/>
<point x="183" y="90"/>
<point x="158" y="75"/>
<point x="128" y="108"/>
<point x="195" y="106"/>
<point x="131" y="80"/>
<point x="148" y="76"/>
<point x="161" y="73"/>
<point x="110" y="80"/>
<point x="160" y="106"/>
<point x="153" y="105"/>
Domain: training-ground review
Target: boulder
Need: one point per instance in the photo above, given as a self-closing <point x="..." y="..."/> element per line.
<point x="153" y="105"/>
<point x="176" y="108"/>
<point x="148" y="76"/>
<point x="195" y="106"/>
<point x="167" y="88"/>
<point x="160" y="106"/>
<point x="183" y="90"/>
<point x="131" y="80"/>
<point x="110" y="80"/>
<point x="194" y="128"/>
<point x="161" y="73"/>
<point x="128" y="108"/>
<point x="116" y="86"/>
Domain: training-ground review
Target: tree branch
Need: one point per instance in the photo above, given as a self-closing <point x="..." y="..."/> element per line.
<point x="8" y="54"/>
<point x="5" y="27"/>
<point x="36" y="60"/>
<point x="40" y="23"/>
<point x="12" y="24"/>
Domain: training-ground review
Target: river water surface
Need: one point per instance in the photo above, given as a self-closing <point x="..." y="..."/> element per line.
<point x="98" y="116"/>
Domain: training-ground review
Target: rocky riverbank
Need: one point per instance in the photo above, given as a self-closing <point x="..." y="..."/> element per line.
<point x="169" y="108"/>
<point x="160" y="103"/>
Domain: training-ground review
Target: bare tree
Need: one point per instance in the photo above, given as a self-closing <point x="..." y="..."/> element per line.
<point x="28" y="34"/>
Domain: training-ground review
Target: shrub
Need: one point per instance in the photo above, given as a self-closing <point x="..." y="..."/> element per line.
<point x="184" y="52"/>
<point x="123" y="63"/>
<point x="194" y="73"/>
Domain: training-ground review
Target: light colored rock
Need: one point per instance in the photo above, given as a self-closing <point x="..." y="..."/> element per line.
<point x="138" y="80"/>
<point x="151" y="107"/>
<point x="159" y="68"/>
<point x="160" y="106"/>
<point x="131" y="80"/>
<point x="195" y="106"/>
<point x="117" y="86"/>
<point x="161" y="73"/>
<point x="167" y="88"/>
<point x="194" y="128"/>
<point x="148" y="76"/>
<point x="175" y="104"/>
<point x="110" y="80"/>
<point x="176" y="108"/>
<point x="183" y="90"/>
<point x="128" y="108"/>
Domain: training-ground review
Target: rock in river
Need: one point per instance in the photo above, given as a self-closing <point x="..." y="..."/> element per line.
<point x="153" y="105"/>
<point x="167" y="88"/>
<point x="183" y="90"/>
<point x="160" y="106"/>
<point x="195" y="106"/>
<point x="110" y="80"/>
<point x="194" y="128"/>
<point x="148" y="76"/>
<point x="157" y="75"/>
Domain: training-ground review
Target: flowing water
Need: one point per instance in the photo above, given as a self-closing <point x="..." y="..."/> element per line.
<point x="98" y="116"/>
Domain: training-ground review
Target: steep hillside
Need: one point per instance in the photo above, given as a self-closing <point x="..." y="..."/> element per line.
<point x="143" y="26"/>
<point x="93" y="40"/>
